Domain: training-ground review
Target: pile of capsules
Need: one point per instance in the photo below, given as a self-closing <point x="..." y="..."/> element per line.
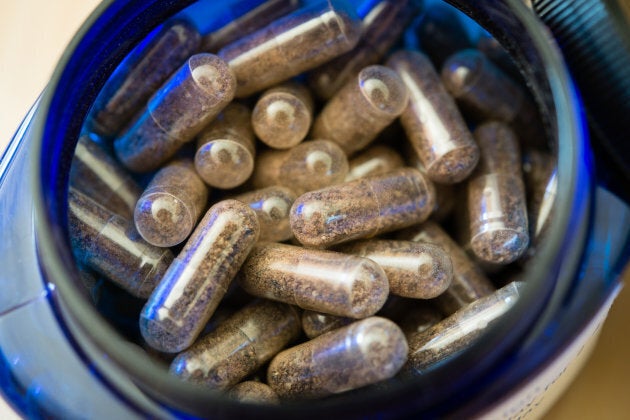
<point x="353" y="216"/>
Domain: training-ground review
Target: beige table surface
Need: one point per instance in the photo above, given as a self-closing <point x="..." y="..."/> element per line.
<point x="33" y="34"/>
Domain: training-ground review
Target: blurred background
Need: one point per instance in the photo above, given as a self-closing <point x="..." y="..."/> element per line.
<point x="33" y="35"/>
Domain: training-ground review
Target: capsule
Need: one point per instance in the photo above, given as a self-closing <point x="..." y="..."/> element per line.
<point x="445" y="194"/>
<point x="541" y="182"/>
<point x="283" y="115"/>
<point x="432" y="122"/>
<point x="468" y="284"/>
<point x="315" y="323"/>
<point x="110" y="245"/>
<point x="171" y="205"/>
<point x="225" y="149"/>
<point x="414" y="270"/>
<point x="177" y="112"/>
<point x="375" y="160"/>
<point x="254" y="392"/>
<point x="306" y="167"/>
<point x="359" y="354"/>
<point x="382" y="27"/>
<point x="457" y="332"/>
<point x="323" y="281"/>
<point x="445" y="200"/>
<point x="98" y="175"/>
<point x="362" y="208"/>
<point x="440" y="32"/>
<point x="291" y="45"/>
<point x="272" y="205"/>
<point x="496" y="197"/>
<point x="198" y="278"/>
<point x="140" y="74"/>
<point x="363" y="107"/>
<point x="248" y="22"/>
<point x="487" y="93"/>
<point x="239" y="346"/>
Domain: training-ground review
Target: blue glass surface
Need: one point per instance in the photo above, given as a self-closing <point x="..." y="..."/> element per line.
<point x="19" y="275"/>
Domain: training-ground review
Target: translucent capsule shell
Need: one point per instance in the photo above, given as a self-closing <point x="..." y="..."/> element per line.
<point x="359" y="354"/>
<point x="99" y="176"/>
<point x="243" y="24"/>
<point x="225" y="148"/>
<point x="317" y="323"/>
<point x="177" y="112"/>
<point x="485" y="92"/>
<point x="198" y="278"/>
<point x="323" y="281"/>
<point x="432" y="121"/>
<point x="469" y="282"/>
<point x="382" y="27"/>
<point x="497" y="205"/>
<point x="363" y="107"/>
<point x="291" y="45"/>
<point x="414" y="270"/>
<point x="254" y="392"/>
<point x="453" y="334"/>
<point x="239" y="346"/>
<point x="309" y="166"/>
<point x="111" y="246"/>
<point x="362" y="208"/>
<point x="171" y="205"/>
<point x="140" y="74"/>
<point x="283" y="115"/>
<point x="272" y="206"/>
<point x="375" y="160"/>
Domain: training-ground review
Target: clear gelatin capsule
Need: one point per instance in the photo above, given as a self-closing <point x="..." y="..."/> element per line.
<point x="432" y="121"/>
<point x="414" y="270"/>
<point x="177" y="112"/>
<point x="541" y="182"/>
<point x="198" y="278"/>
<point x="283" y="115"/>
<point x="359" y="354"/>
<point x="110" y="245"/>
<point x="225" y="148"/>
<point x="487" y="93"/>
<point x="170" y="206"/>
<point x="317" y="280"/>
<point x="99" y="176"/>
<point x="309" y="166"/>
<point x="457" y="332"/>
<point x="363" y="107"/>
<point x="254" y="392"/>
<point x="317" y="323"/>
<point x="375" y="160"/>
<point x="244" y="24"/>
<point x="291" y="45"/>
<point x="272" y="206"/>
<point x="239" y="346"/>
<point x="497" y="206"/>
<point x="140" y="74"/>
<point x="362" y="208"/>
<point x="469" y="282"/>
<point x="382" y="27"/>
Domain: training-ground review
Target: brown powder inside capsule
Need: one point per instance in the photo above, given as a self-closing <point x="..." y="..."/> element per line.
<point x="254" y="392"/>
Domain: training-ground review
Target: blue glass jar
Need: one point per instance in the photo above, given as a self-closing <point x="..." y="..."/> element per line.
<point x="59" y="357"/>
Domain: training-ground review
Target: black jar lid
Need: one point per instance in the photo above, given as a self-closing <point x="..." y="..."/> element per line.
<point x="594" y="36"/>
